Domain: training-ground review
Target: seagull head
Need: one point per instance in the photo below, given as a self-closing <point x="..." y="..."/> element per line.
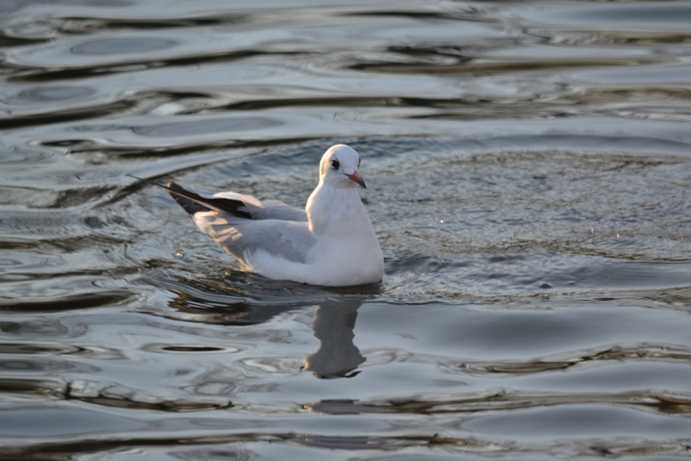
<point x="339" y="167"/>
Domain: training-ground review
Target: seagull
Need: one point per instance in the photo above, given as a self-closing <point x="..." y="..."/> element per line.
<point x="330" y="243"/>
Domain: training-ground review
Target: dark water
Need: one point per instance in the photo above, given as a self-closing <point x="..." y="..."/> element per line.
<point x="529" y="174"/>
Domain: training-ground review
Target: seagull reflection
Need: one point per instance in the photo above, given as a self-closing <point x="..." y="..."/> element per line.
<point x="337" y="356"/>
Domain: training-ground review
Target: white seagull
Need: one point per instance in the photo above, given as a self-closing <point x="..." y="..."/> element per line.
<point x="331" y="242"/>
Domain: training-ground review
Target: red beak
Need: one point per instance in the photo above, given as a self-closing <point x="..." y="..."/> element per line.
<point x="357" y="178"/>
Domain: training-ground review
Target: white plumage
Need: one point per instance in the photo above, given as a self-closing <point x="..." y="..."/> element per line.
<point x="330" y="243"/>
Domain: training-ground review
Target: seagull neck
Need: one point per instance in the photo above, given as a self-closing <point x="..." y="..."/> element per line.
<point x="330" y="209"/>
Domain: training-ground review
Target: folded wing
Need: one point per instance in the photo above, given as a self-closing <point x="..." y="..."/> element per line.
<point x="242" y="206"/>
<point x="243" y="225"/>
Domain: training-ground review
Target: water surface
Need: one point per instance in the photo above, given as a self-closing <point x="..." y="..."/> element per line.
<point x="529" y="175"/>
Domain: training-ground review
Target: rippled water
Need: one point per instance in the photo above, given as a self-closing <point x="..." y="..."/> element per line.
<point x="529" y="177"/>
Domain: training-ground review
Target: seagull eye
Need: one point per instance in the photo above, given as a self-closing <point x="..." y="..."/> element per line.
<point x="335" y="164"/>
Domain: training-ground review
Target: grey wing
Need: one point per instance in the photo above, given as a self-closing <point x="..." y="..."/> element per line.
<point x="234" y="204"/>
<point x="288" y="239"/>
<point x="273" y="209"/>
<point x="268" y="209"/>
<point x="241" y="224"/>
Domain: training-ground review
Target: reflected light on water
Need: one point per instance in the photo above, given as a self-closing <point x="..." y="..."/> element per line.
<point x="528" y="178"/>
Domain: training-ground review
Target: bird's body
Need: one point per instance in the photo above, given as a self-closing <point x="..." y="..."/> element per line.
<point x="330" y="243"/>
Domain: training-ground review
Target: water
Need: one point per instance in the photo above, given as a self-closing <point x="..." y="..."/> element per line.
<point x="529" y="177"/>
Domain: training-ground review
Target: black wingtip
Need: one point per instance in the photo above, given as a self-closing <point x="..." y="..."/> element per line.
<point x="194" y="203"/>
<point x="181" y="196"/>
